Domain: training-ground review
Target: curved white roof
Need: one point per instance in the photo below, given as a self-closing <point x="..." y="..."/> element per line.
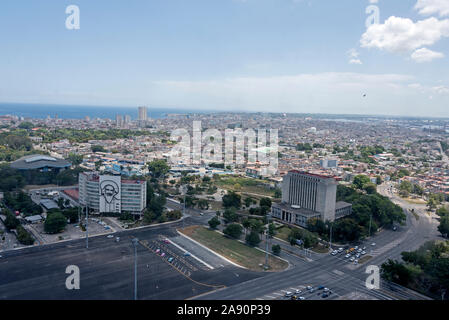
<point x="39" y="158"/>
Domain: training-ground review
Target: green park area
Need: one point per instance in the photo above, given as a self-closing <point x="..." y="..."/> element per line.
<point x="234" y="250"/>
<point x="249" y="186"/>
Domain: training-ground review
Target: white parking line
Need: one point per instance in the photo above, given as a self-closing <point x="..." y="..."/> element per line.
<point x="193" y="256"/>
<point x="278" y="294"/>
<point x="270" y="297"/>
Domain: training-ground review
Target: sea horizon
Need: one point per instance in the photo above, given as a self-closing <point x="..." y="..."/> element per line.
<point x="69" y="111"/>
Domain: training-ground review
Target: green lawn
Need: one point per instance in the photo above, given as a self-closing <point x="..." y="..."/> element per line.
<point x="233" y="250"/>
<point x="283" y="232"/>
<point x="244" y="185"/>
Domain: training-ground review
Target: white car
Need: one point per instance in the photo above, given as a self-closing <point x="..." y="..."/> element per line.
<point x="298" y="291"/>
<point x="352" y="259"/>
<point x="326" y="289"/>
<point x="357" y="255"/>
<point x="373" y="244"/>
<point x="347" y="256"/>
<point x="302" y="298"/>
<point x="363" y="253"/>
<point x="288" y="294"/>
<point x="110" y="236"/>
<point x="356" y="261"/>
<point x="340" y="250"/>
<point x="334" y="253"/>
<point x="309" y="288"/>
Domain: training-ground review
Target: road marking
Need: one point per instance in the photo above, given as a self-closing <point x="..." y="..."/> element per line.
<point x="270" y="297"/>
<point x="278" y="294"/>
<point x="259" y="299"/>
<point x="338" y="272"/>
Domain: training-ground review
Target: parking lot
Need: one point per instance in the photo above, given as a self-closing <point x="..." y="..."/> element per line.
<point x="72" y="231"/>
<point x="180" y="260"/>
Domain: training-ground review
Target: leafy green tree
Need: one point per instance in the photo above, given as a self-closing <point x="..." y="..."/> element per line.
<point x="174" y="215"/>
<point x="360" y="181"/>
<point x="158" y="168"/>
<point x="214" y="223"/>
<point x="55" y="223"/>
<point x="232" y="199"/>
<point x="278" y="193"/>
<point x="370" y="188"/>
<point x="71" y="214"/>
<point x="96" y="149"/>
<point x="443" y="228"/>
<point x="276" y="249"/>
<point x="246" y="223"/>
<point x="265" y="202"/>
<point x="234" y="230"/>
<point x="75" y="159"/>
<point x="202" y="204"/>
<point x="443" y="211"/>
<point x="24" y="237"/>
<point x="256" y="225"/>
<point x="253" y="239"/>
<point x="230" y="215"/>
<point x="11" y="222"/>
<point x="271" y="230"/>
<point x="248" y="202"/>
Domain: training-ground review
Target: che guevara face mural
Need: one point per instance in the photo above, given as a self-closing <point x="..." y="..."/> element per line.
<point x="109" y="191"/>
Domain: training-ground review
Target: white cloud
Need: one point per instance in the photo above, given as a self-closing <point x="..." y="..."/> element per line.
<point x="425" y="55"/>
<point x="441" y="89"/>
<point x="355" y="61"/>
<point x="403" y="35"/>
<point x="353" y="55"/>
<point x="429" y="7"/>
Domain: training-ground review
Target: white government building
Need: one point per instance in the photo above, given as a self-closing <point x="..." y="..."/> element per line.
<point x="112" y="193"/>
<point x="306" y="196"/>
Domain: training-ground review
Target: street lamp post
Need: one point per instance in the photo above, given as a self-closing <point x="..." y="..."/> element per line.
<point x="135" y="242"/>
<point x="330" y="236"/>
<point x="266" y="240"/>
<point x="87" y="227"/>
<point x="370" y="219"/>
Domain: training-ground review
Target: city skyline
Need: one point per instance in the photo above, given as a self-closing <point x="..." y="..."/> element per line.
<point x="289" y="56"/>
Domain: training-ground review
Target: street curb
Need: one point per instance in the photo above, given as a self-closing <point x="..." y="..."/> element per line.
<point x="210" y="250"/>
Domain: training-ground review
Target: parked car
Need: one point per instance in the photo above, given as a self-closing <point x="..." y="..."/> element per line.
<point x="288" y="294"/>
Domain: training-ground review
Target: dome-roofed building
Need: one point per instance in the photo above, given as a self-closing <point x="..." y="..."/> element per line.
<point x="40" y="162"/>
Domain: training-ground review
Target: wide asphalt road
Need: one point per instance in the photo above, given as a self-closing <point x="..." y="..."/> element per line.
<point x="107" y="270"/>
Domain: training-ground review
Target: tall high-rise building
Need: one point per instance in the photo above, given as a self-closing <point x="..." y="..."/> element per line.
<point x="118" y="120"/>
<point x="306" y="196"/>
<point x="127" y="119"/>
<point x="143" y="114"/>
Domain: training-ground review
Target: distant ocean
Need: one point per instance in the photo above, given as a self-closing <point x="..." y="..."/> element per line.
<point x="41" y="111"/>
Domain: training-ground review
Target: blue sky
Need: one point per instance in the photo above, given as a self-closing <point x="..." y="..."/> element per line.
<point x="245" y="55"/>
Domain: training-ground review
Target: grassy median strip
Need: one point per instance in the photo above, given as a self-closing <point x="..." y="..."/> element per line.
<point x="233" y="250"/>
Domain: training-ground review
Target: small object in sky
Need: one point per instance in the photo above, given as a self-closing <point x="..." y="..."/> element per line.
<point x="364" y="95"/>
